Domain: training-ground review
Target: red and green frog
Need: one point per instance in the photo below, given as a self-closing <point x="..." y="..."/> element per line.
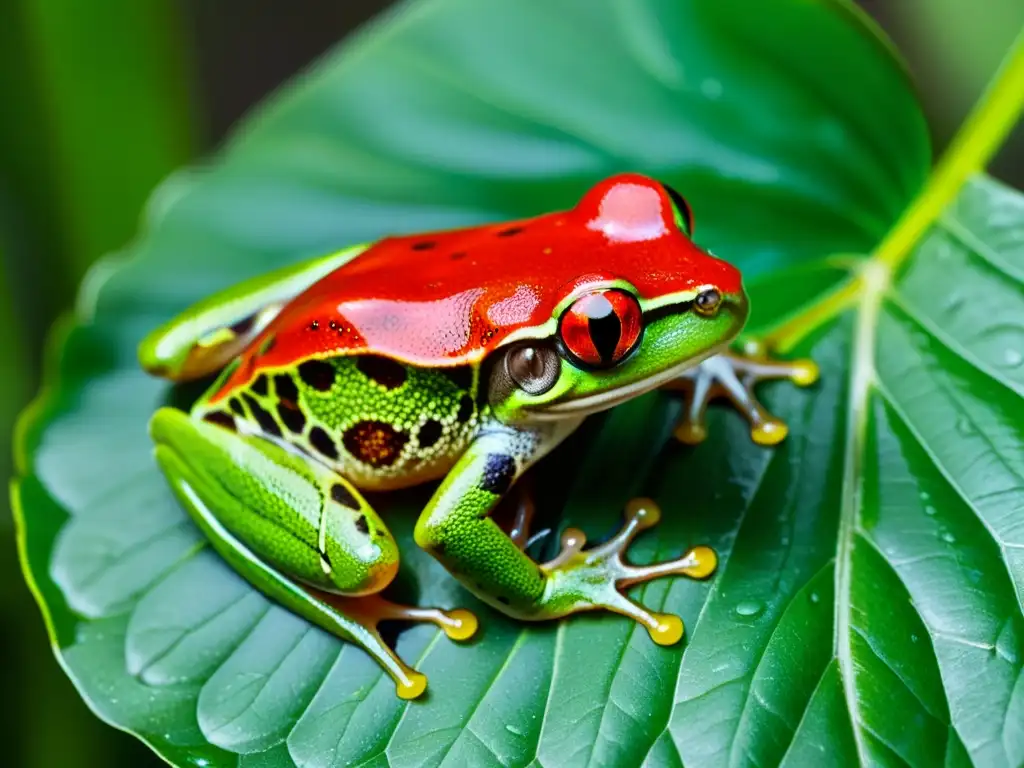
<point x="465" y="356"/>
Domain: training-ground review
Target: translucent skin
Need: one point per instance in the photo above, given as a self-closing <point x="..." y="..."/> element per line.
<point x="389" y="365"/>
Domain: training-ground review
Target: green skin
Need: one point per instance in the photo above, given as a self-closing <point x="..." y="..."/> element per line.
<point x="284" y="507"/>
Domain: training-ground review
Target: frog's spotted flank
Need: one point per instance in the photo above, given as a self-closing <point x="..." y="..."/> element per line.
<point x="317" y="374"/>
<point x="344" y="496"/>
<point x="221" y="419"/>
<point x="291" y="416"/>
<point x="267" y="422"/>
<point x="499" y="472"/>
<point x="374" y="443"/>
<point x="465" y="409"/>
<point x="323" y="443"/>
<point x="382" y="370"/>
<point x="430" y="433"/>
<point x="286" y="389"/>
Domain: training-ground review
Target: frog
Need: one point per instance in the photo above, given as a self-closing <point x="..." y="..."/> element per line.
<point x="460" y="357"/>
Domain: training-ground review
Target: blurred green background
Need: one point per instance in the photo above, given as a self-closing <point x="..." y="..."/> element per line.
<point x="102" y="100"/>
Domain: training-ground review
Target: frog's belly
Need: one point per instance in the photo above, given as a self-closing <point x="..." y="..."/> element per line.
<point x="404" y="473"/>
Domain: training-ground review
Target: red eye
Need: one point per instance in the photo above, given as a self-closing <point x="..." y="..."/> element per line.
<point x="601" y="328"/>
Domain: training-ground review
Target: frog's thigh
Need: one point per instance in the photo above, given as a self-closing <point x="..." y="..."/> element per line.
<point x="278" y="520"/>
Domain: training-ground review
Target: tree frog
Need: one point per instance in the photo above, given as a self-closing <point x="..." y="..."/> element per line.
<point x="463" y="356"/>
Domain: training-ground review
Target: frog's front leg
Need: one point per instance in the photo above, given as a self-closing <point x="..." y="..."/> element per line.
<point x="457" y="529"/>
<point x="297" y="531"/>
<point x="734" y="377"/>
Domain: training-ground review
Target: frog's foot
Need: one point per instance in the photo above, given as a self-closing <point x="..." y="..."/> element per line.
<point x="370" y="610"/>
<point x="591" y="580"/>
<point x="734" y="377"/>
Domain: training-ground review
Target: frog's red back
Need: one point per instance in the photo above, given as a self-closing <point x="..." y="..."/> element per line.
<point x="449" y="298"/>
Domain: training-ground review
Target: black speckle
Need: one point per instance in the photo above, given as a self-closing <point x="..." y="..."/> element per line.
<point x="503" y="600"/>
<point x="439" y="548"/>
<point x="323" y="443"/>
<point x="423" y="245"/>
<point x="317" y="374"/>
<point x="260" y="386"/>
<point x="244" y="325"/>
<point x="361" y="525"/>
<point x="458" y="255"/>
<point x="376" y="443"/>
<point x="315" y="325"/>
<point x="267" y="422"/>
<point x="461" y="377"/>
<point x="221" y="419"/>
<point x="344" y="496"/>
<point x="285" y="388"/>
<point x="499" y="472"/>
<point x="465" y="409"/>
<point x="291" y="416"/>
<point x="510" y="231"/>
<point x="236" y="405"/>
<point x="382" y="370"/>
<point x="430" y="433"/>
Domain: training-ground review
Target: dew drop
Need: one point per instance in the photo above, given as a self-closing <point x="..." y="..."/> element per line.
<point x="815" y="598"/>
<point x="925" y="496"/>
<point x="784" y="541"/>
<point x="947" y="537"/>
<point x="913" y="638"/>
<point x="963" y="426"/>
<point x="512" y="729"/>
<point x="749" y="608"/>
<point x="929" y="510"/>
<point x="1012" y="358"/>
<point x="953" y="302"/>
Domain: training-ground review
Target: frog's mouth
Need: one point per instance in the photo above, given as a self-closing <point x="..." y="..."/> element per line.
<point x="602" y="401"/>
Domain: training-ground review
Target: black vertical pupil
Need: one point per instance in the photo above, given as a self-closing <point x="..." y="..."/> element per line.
<point x="605" y="328"/>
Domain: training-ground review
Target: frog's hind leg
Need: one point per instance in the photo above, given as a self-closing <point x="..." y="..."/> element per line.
<point x="207" y="336"/>
<point x="734" y="376"/>
<point x="296" y="531"/>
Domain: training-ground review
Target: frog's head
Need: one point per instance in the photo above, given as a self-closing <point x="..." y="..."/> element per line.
<point x="648" y="304"/>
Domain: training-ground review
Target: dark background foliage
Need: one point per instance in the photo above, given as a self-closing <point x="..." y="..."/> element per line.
<point x="102" y="100"/>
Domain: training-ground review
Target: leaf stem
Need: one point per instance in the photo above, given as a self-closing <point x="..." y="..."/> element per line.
<point x="978" y="139"/>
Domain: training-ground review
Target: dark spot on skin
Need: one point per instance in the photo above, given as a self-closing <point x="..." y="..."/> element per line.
<point x="423" y="245"/>
<point x="334" y="325"/>
<point x="285" y="388"/>
<point x="267" y="345"/>
<point x="430" y="433"/>
<point x="510" y="231"/>
<point x="261" y="386"/>
<point x="499" y="472"/>
<point x="267" y="422"/>
<point x="461" y="377"/>
<point x="323" y="443"/>
<point x="344" y="496"/>
<point x="317" y="374"/>
<point x="440" y="547"/>
<point x="315" y="325"/>
<point x="465" y="409"/>
<point x="221" y="419"/>
<point x="236" y="405"/>
<point x="374" y="442"/>
<point x="291" y="416"/>
<point x="504" y="600"/>
<point x="458" y="255"/>
<point x="244" y="325"/>
<point x="382" y="370"/>
<point x="361" y="525"/>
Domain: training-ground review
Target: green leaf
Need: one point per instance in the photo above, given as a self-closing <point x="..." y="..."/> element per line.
<point x="868" y="605"/>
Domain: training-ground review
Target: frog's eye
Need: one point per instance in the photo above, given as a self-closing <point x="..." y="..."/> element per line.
<point x="533" y="369"/>
<point x="600" y="329"/>
<point x="683" y="213"/>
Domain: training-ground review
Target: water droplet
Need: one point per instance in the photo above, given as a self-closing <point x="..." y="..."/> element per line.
<point x="784" y="541"/>
<point x="913" y="638"/>
<point x="890" y="551"/>
<point x="711" y="88"/>
<point x="963" y="426"/>
<point x="512" y="729"/>
<point x="947" y="537"/>
<point x="929" y="510"/>
<point x="1013" y="357"/>
<point x="815" y="598"/>
<point x="749" y="608"/>
<point x="925" y="495"/>
<point x="953" y="301"/>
